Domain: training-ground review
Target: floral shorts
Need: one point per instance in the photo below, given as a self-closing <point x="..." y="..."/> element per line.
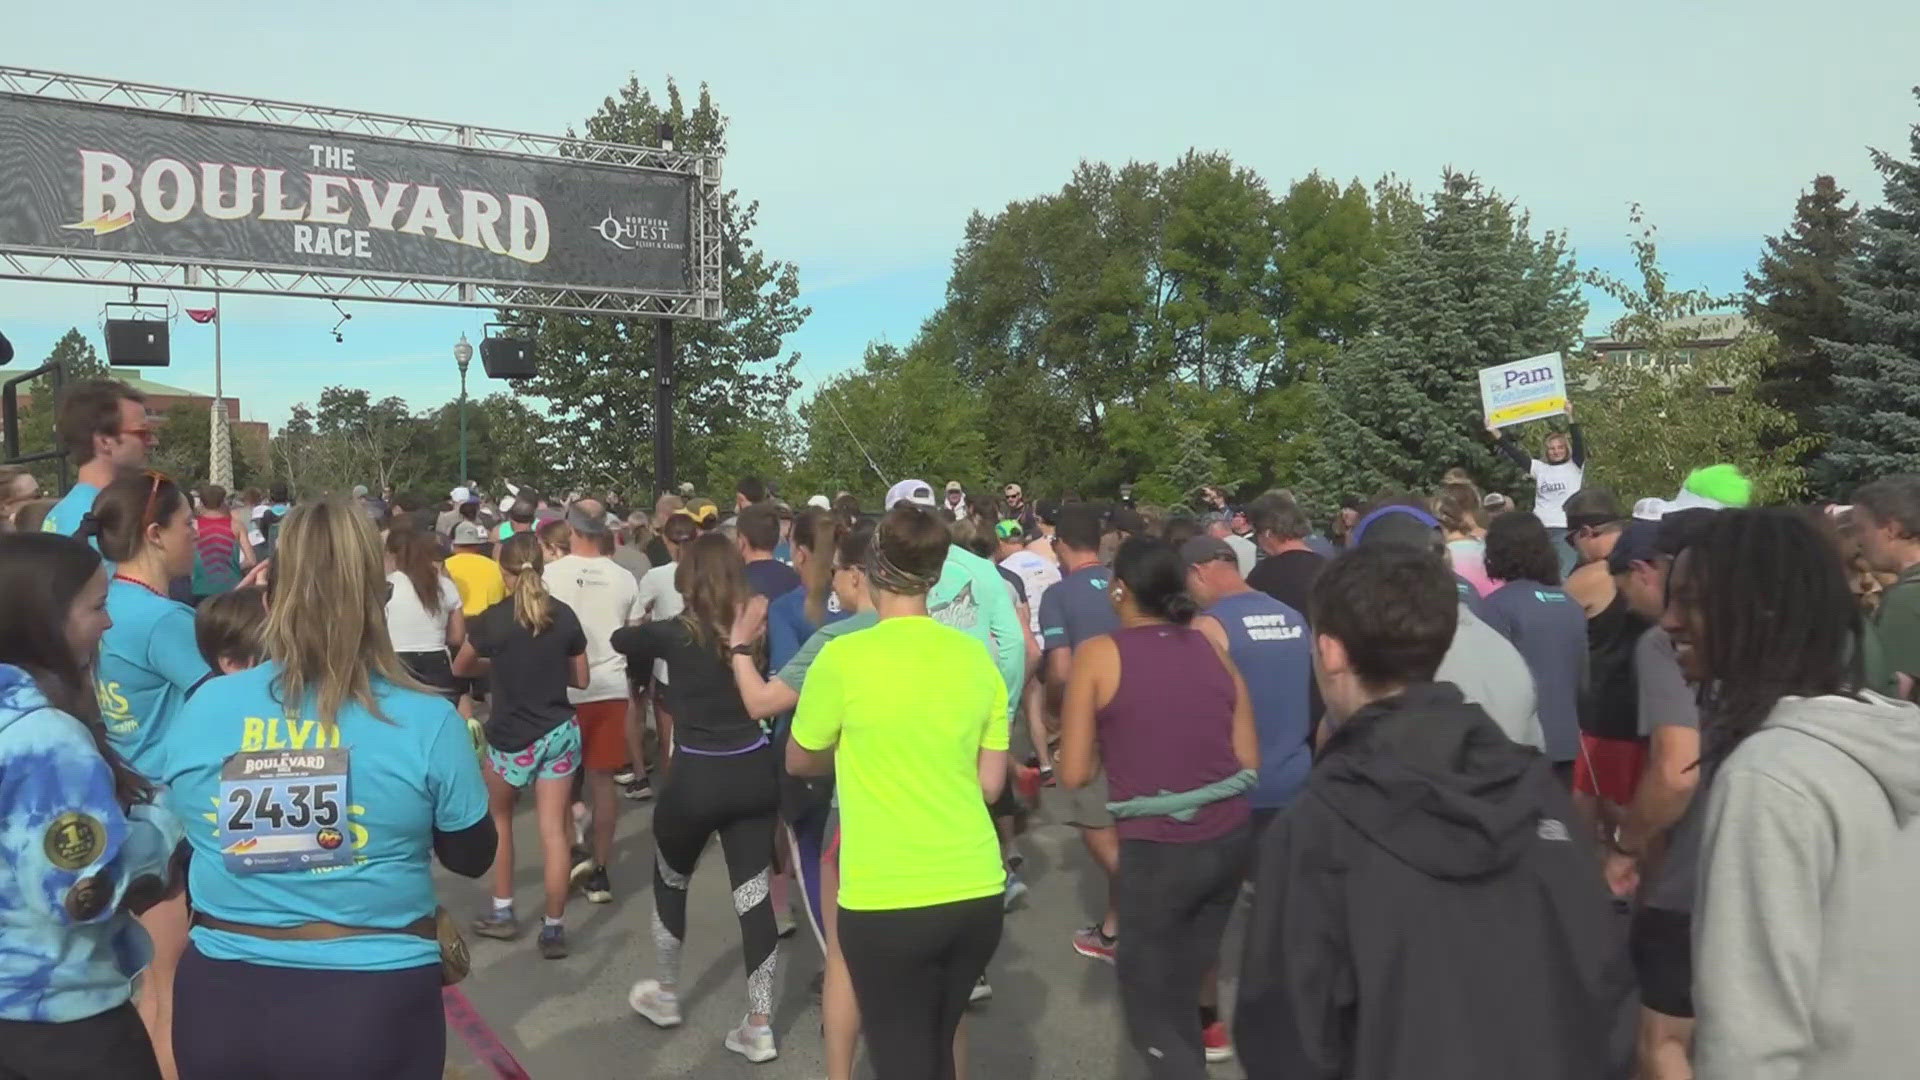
<point x="554" y="756"/>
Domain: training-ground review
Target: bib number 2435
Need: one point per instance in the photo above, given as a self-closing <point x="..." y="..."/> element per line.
<point x="284" y="810"/>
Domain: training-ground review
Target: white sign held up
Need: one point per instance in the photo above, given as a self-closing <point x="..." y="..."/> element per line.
<point x="1522" y="390"/>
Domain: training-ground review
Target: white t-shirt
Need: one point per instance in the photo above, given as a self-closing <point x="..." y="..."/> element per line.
<point x="660" y="601"/>
<point x="1036" y="574"/>
<point x="1553" y="485"/>
<point x="412" y="628"/>
<point x="605" y="597"/>
<point x="1244" y="552"/>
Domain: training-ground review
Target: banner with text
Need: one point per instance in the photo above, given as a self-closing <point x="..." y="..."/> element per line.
<point x="1522" y="390"/>
<point x="97" y="180"/>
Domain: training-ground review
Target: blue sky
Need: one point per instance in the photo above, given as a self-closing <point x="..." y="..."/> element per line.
<point x="869" y="130"/>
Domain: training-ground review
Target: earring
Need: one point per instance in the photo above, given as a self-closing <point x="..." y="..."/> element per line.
<point x="1117" y="594"/>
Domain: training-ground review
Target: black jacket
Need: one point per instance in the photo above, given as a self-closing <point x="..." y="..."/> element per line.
<point x="1427" y="911"/>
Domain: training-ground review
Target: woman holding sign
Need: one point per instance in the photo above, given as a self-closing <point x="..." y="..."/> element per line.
<point x="1554" y="480"/>
<point x="332" y="778"/>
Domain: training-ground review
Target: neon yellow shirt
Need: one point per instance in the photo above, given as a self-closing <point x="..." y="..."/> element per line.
<point x="911" y="704"/>
<point x="479" y="580"/>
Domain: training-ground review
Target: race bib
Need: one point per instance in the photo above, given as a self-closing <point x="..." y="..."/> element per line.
<point x="284" y="810"/>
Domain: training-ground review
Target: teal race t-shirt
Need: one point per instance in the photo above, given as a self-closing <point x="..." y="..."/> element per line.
<point x="149" y="661"/>
<point x="65" y="516"/>
<point x="367" y="793"/>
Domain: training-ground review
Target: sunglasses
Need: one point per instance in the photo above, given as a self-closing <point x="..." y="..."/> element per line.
<point x="145" y="435"/>
<point x="153" y="493"/>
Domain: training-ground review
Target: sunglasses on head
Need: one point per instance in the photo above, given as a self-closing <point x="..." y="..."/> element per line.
<point x="153" y="493"/>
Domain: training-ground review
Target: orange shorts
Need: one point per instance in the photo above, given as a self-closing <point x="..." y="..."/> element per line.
<point x="603" y="734"/>
<point x="1609" y="768"/>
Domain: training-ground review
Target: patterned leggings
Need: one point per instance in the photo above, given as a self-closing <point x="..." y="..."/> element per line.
<point x="737" y="797"/>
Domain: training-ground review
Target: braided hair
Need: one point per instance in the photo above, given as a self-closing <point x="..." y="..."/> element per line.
<point x="1777" y="619"/>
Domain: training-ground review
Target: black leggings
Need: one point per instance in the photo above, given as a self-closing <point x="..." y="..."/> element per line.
<point x="913" y="970"/>
<point x="434" y="669"/>
<point x="113" y="1043"/>
<point x="737" y="797"/>
<point x="232" y="1018"/>
<point x="1173" y="901"/>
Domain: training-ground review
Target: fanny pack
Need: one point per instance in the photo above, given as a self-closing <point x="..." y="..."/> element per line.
<point x="438" y="928"/>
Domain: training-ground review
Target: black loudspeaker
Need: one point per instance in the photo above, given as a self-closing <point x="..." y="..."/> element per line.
<point x="137" y="343"/>
<point x="6" y="350"/>
<point x="507" y="358"/>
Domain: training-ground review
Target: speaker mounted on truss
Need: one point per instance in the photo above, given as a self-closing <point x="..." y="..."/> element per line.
<point x="506" y="351"/>
<point x="138" y="335"/>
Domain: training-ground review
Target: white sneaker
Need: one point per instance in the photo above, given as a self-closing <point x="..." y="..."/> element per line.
<point x="655" y="1002"/>
<point x="980" y="992"/>
<point x="753" y="1043"/>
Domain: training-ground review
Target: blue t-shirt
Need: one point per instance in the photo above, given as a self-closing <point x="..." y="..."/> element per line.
<point x="65" y="516"/>
<point x="788" y="627"/>
<point x="1077" y="608"/>
<point x="407" y="775"/>
<point x="1268" y="642"/>
<point x="149" y="661"/>
<point x="771" y="578"/>
<point x="1550" y="630"/>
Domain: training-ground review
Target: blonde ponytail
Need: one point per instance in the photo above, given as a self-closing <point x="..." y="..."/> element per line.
<point x="522" y="561"/>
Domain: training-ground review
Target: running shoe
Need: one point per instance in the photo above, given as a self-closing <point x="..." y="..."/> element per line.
<point x="980" y="992"/>
<point x="1046" y="776"/>
<point x="1214" y="1038"/>
<point x="497" y="924"/>
<point x="1016" y="891"/>
<point x="582" y="866"/>
<point x="624" y="776"/>
<point x="753" y="1043"/>
<point x="638" y="789"/>
<point x="598" y="889"/>
<point x="553" y="942"/>
<point x="655" y="1002"/>
<point x="1094" y="945"/>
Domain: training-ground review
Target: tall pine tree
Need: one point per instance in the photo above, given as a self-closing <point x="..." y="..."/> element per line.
<point x="1875" y="415"/>
<point x="1795" y="295"/>
<point x="1467" y="287"/>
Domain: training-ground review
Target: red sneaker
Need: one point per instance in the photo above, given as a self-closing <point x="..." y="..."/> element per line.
<point x="1219" y="1045"/>
<point x="1091" y="943"/>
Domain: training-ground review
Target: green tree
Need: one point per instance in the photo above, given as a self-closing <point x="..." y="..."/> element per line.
<point x="351" y="439"/>
<point x="1467" y="286"/>
<point x="596" y="371"/>
<point x="902" y="414"/>
<point x="1675" y="407"/>
<point x="1795" y="295"/>
<point x="1875" y="415"/>
<point x="1328" y="240"/>
<point x="78" y="363"/>
<point x="186" y="445"/>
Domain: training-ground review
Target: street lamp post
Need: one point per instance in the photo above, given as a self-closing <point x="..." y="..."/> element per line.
<point x="463" y="355"/>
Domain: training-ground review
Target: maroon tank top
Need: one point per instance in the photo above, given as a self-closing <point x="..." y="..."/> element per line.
<point x="1169" y="728"/>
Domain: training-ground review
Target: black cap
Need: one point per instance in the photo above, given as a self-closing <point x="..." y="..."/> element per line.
<point x="1127" y="520"/>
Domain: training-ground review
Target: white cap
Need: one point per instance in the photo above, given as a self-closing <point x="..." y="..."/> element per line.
<point x="917" y="492"/>
<point x="460" y="495"/>
<point x="820" y="501"/>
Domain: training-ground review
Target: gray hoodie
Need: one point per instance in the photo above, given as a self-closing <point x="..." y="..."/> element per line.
<point x="1806" y="953"/>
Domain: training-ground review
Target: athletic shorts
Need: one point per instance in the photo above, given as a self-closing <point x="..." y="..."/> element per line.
<point x="1609" y="768"/>
<point x="1087" y="807"/>
<point x="553" y="756"/>
<point x="1661" y="943"/>
<point x="603" y="734"/>
<point x="434" y="669"/>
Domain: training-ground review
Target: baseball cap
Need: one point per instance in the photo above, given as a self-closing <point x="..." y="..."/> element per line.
<point x="1048" y="511"/>
<point x="954" y="486"/>
<point x="458" y="495"/>
<point x="705" y="513"/>
<point x="917" y="492"/>
<point x="1204" y="549"/>
<point x="1716" y="487"/>
<point x="466" y="533"/>
<point x="359" y="491"/>
<point x="1009" y="530"/>
<point x="1644" y="541"/>
<point x="820" y="502"/>
<point x="1127" y="520"/>
<point x="1408" y="526"/>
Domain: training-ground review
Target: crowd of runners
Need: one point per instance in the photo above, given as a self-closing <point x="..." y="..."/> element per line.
<point x="1614" y="787"/>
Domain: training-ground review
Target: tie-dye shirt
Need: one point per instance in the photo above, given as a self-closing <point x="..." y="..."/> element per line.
<point x="67" y="856"/>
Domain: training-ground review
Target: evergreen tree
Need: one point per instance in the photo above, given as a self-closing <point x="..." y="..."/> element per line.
<point x="1795" y="296"/>
<point x="1874" y="419"/>
<point x="1466" y="288"/>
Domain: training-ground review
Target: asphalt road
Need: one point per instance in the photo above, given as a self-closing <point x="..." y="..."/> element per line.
<point x="1053" y="1013"/>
